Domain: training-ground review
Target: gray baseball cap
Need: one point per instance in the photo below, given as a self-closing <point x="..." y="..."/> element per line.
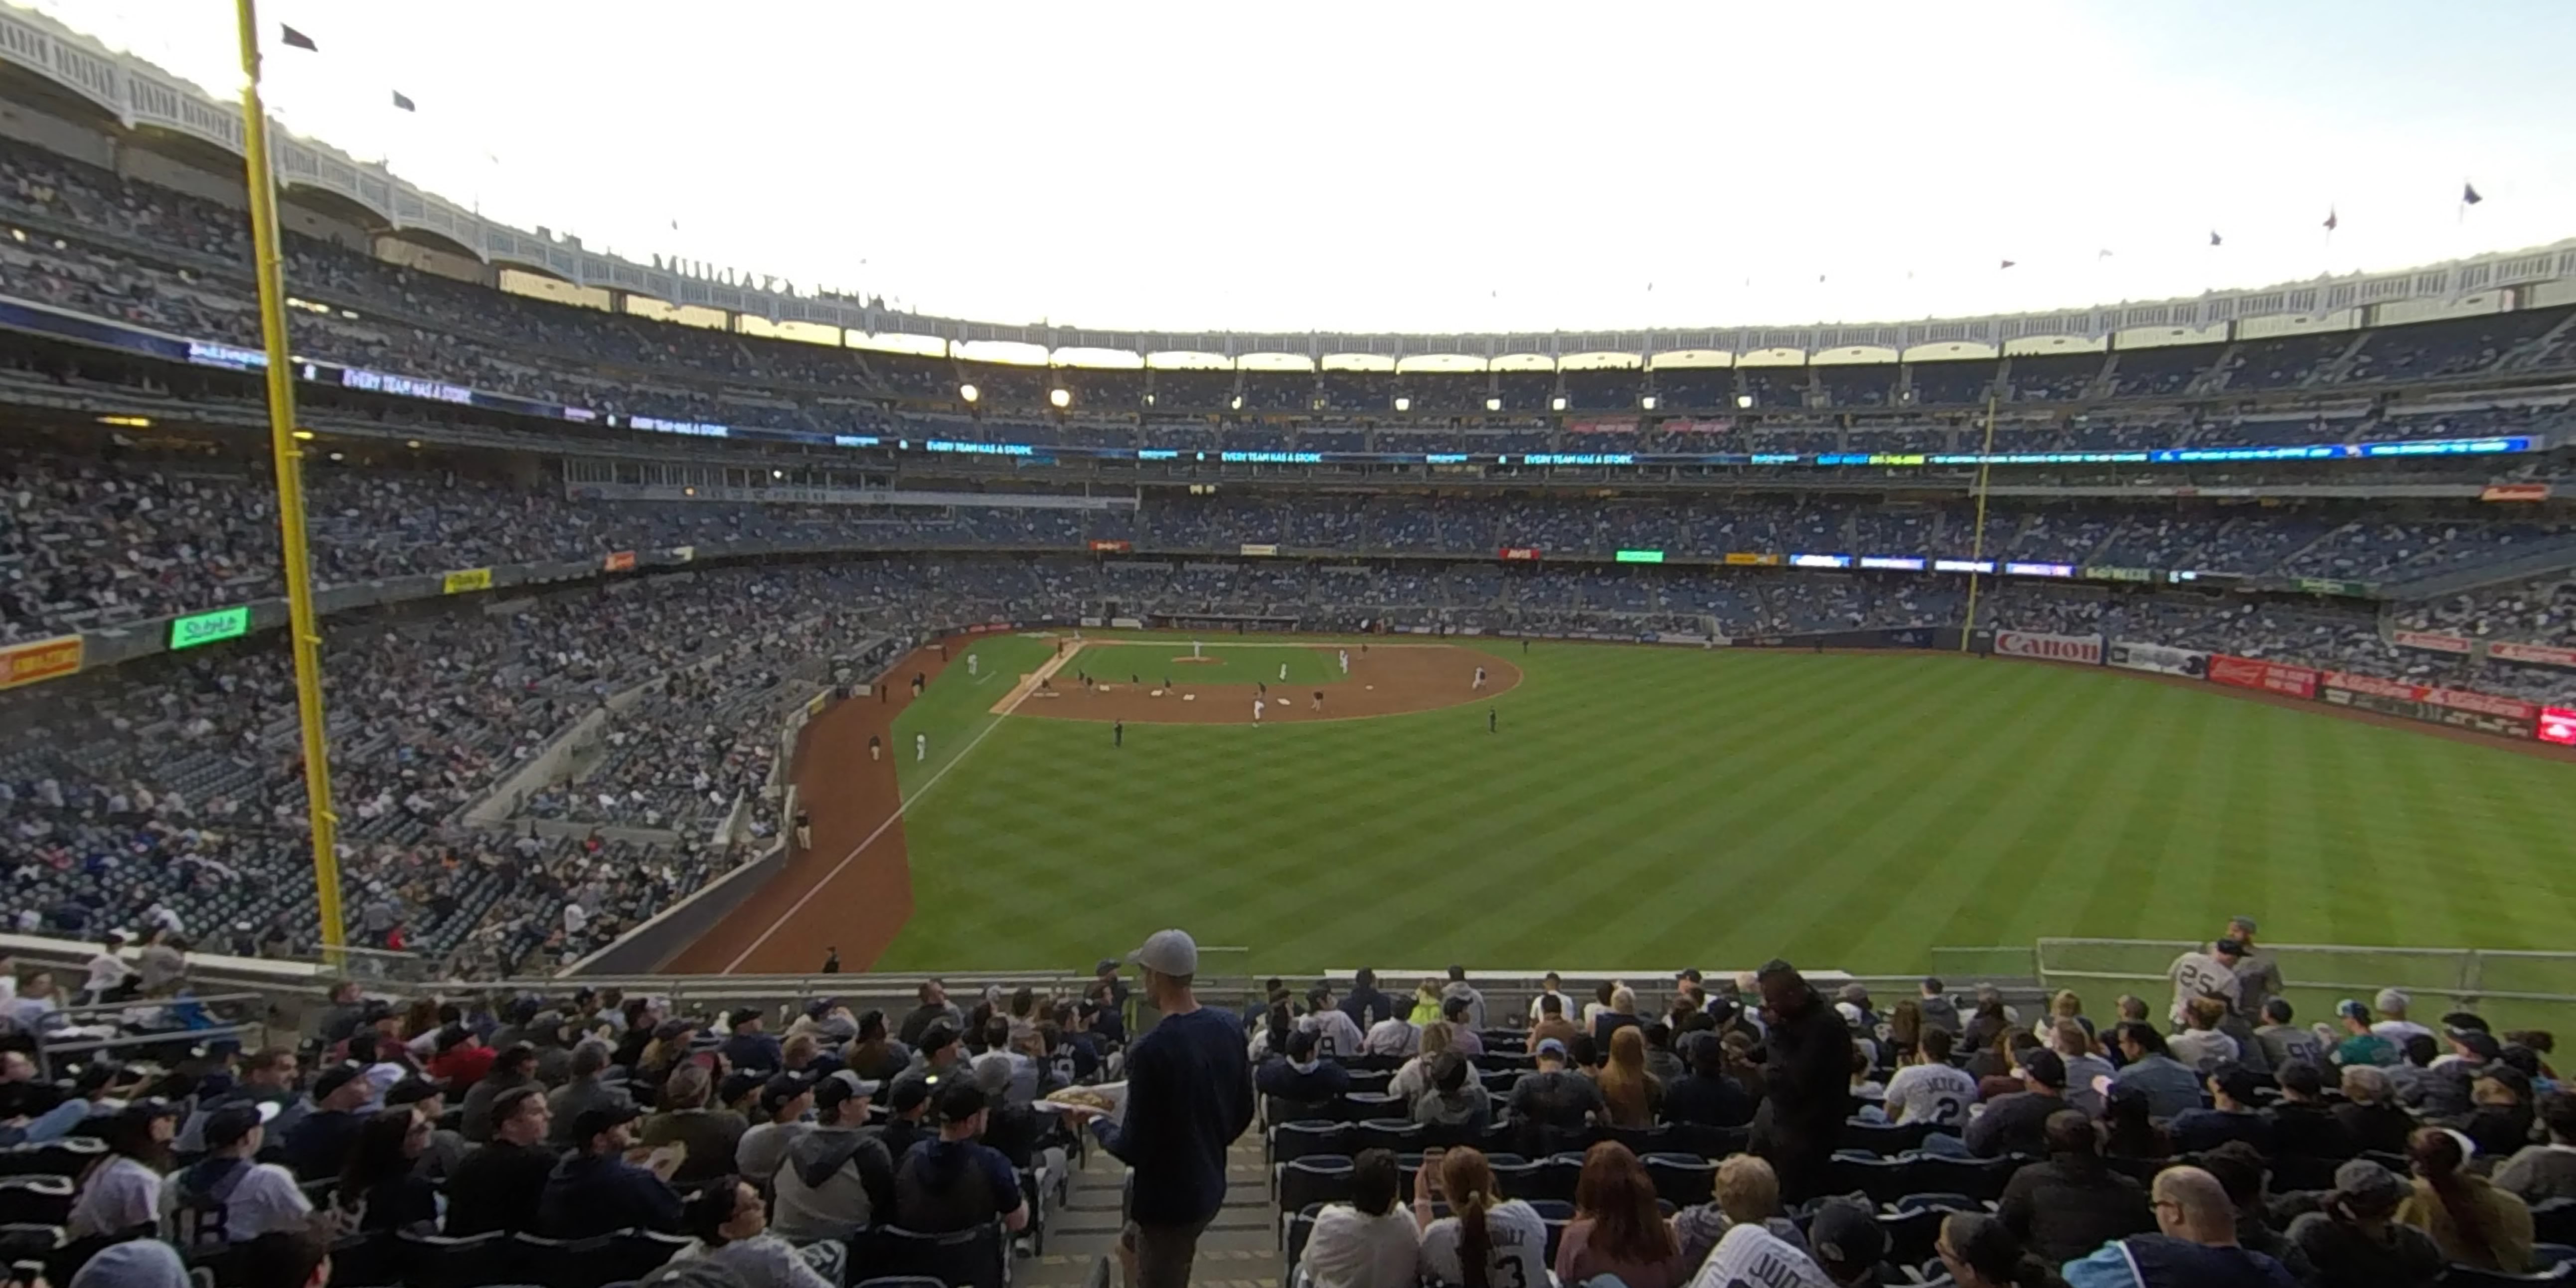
<point x="1168" y="952"/>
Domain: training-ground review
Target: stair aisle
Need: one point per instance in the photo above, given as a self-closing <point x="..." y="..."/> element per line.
<point x="1239" y="1250"/>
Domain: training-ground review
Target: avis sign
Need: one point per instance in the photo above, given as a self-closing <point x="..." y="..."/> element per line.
<point x="2054" y="648"/>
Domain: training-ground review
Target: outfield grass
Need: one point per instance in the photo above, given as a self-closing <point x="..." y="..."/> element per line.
<point x="1646" y="807"/>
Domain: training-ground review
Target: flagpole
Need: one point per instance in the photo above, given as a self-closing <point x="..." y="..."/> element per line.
<point x="303" y="633"/>
<point x="1977" y="542"/>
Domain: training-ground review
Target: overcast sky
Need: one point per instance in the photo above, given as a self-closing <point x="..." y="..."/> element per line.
<point x="1433" y="167"/>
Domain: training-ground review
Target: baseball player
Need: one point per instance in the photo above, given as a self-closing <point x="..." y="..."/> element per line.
<point x="804" y="830"/>
<point x="920" y="747"/>
<point x="971" y="661"/>
<point x="1489" y="721"/>
<point x="1118" y="733"/>
<point x="1194" y="649"/>
<point x="1257" y="705"/>
<point x="1283" y="673"/>
<point x="1480" y="677"/>
<point x="876" y="747"/>
<point x="1319" y="699"/>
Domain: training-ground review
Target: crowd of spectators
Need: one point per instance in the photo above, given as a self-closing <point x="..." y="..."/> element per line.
<point x="777" y="1154"/>
<point x="2206" y="1138"/>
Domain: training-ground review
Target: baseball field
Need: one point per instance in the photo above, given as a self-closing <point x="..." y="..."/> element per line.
<point x="1610" y="807"/>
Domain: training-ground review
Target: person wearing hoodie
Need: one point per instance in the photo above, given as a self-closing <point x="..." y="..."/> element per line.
<point x="1365" y="1004"/>
<point x="1302" y="1075"/>
<point x="955" y="1182"/>
<point x="1452" y="1107"/>
<point x="1459" y="987"/>
<point x="730" y="1228"/>
<point x="135" y="1263"/>
<point x="1806" y="1081"/>
<point x="2066" y="1207"/>
<point x="838" y="1177"/>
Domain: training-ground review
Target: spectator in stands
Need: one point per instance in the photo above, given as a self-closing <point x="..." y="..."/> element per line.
<point x="2393" y="1024"/>
<point x="2539" y="1173"/>
<point x="2196" y="1249"/>
<point x="1414" y="1077"/>
<point x="2357" y="1044"/>
<point x="2499" y="1122"/>
<point x="710" y="1134"/>
<point x="2072" y="1203"/>
<point x="749" y="1049"/>
<point x="382" y="1189"/>
<point x="1550" y="985"/>
<point x="729" y="1227"/>
<point x="1457" y="1012"/>
<point x="1617" y="1229"/>
<point x="1661" y="1062"/>
<point x="2413" y="1068"/>
<point x="318" y="1145"/>
<point x="1396" y="1035"/>
<point x="2354" y="1240"/>
<point x="838" y="1178"/>
<point x="1550" y="1020"/>
<point x="462" y="1059"/>
<point x="500" y="1184"/>
<point x="1189" y="1095"/>
<point x="1369" y="1242"/>
<point x="2200" y="1045"/>
<point x="2303" y="1124"/>
<point x="1847" y="1244"/>
<point x="1989" y="1027"/>
<point x="1979" y="1252"/>
<point x="1336" y="1036"/>
<point x="1620" y="1014"/>
<point x="2471" y="1220"/>
<point x="121" y="1195"/>
<point x="1938" y="1010"/>
<point x="1746" y="1195"/>
<point x="1553" y="1098"/>
<point x="1487" y="1241"/>
<point x="1452" y="1107"/>
<point x="594" y="1190"/>
<point x="1806" y="1083"/>
<point x="1365" y="1004"/>
<point x="2232" y="1115"/>
<point x="1706" y="1095"/>
<point x="955" y="1182"/>
<point x="2278" y="1040"/>
<point x="2370" y="1114"/>
<point x="513" y="1067"/>
<point x="22" y="1094"/>
<point x="1303" y="1075"/>
<point x="934" y="1007"/>
<point x="941" y="1052"/>
<point x="2205" y="972"/>
<point x="2240" y="1171"/>
<point x="1631" y="1095"/>
<point x="874" y="1055"/>
<point x="1927" y="1088"/>
<point x="2258" y="977"/>
<point x="784" y="1100"/>
<point x="2085" y="1066"/>
<point x="225" y="1196"/>
<point x="2171" y="1086"/>
<point x="907" y="1117"/>
<point x="2016" y="1123"/>
<point x="1459" y="987"/>
<point x="2129" y="1128"/>
<point x="585" y="1092"/>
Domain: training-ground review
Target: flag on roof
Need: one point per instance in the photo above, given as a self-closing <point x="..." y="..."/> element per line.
<point x="2008" y="263"/>
<point x="2331" y="221"/>
<point x="404" y="104"/>
<point x="298" y="40"/>
<point x="2213" y="237"/>
<point x="2469" y="194"/>
<point x="2100" y="255"/>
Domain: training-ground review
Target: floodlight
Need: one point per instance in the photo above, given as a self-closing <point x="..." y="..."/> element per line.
<point x="969" y="392"/>
<point x="1404" y="404"/>
<point x="1059" y="398"/>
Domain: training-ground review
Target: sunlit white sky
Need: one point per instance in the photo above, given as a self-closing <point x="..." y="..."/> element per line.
<point x="1433" y="167"/>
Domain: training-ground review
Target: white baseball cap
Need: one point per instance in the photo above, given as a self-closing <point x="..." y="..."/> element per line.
<point x="1168" y="952"/>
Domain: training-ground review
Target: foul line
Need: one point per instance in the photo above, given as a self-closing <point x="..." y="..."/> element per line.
<point x="903" y="803"/>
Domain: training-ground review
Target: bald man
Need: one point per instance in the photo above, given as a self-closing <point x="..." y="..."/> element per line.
<point x="2197" y="1248"/>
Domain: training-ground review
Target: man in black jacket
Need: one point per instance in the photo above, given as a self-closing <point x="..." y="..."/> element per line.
<point x="501" y="1184"/>
<point x="1806" y="1082"/>
<point x="2064" y="1208"/>
<point x="1364" y="1003"/>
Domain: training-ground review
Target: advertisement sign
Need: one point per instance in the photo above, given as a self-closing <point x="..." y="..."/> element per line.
<point x="1892" y="563"/>
<point x="685" y="554"/>
<point x="1112" y="547"/>
<point x="1697" y="426"/>
<point x="206" y="628"/>
<point x="2162" y="659"/>
<point x="1740" y="559"/>
<point x="2462" y="708"/>
<point x="2542" y="654"/>
<point x="1820" y="561"/>
<point x="1251" y="549"/>
<point x="465" y="579"/>
<point x="2431" y="640"/>
<point x="2255" y="673"/>
<point x="619" y="561"/>
<point x="1518" y="552"/>
<point x="2558" y="725"/>
<point x="2040" y="569"/>
<point x="2331" y="586"/>
<point x="2515" y="492"/>
<point x="2120" y="574"/>
<point x="1639" y="556"/>
<point x="45" y="659"/>
<point x="2055" y="648"/>
<point x="1603" y="426"/>
<point x="1963" y="565"/>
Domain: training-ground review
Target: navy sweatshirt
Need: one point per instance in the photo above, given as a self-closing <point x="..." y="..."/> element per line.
<point x="1189" y="1096"/>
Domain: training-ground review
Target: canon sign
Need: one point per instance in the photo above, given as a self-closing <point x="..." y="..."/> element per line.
<point x="2055" y="648"/>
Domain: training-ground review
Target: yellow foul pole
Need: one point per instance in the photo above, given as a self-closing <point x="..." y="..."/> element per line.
<point x="286" y="449"/>
<point x="1976" y="544"/>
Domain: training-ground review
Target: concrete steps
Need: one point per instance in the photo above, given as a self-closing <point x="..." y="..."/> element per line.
<point x="1239" y="1250"/>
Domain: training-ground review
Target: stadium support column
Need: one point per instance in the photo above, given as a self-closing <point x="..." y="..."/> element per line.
<point x="1977" y="541"/>
<point x="303" y="632"/>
